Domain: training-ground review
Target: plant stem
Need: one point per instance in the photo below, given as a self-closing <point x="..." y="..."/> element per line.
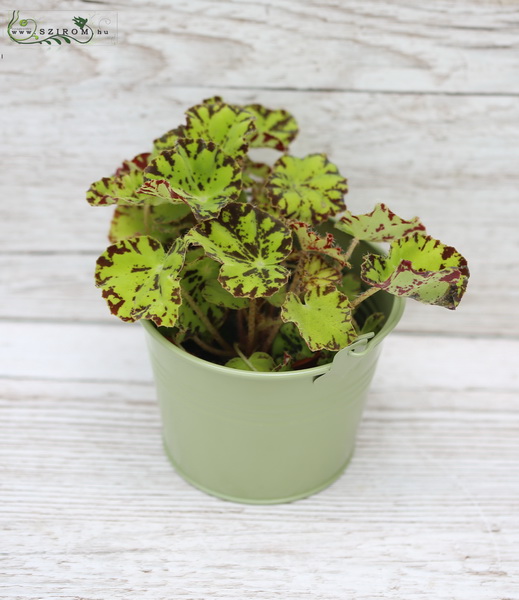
<point x="210" y="327"/>
<point x="351" y="248"/>
<point x="266" y="323"/>
<point x="294" y="284"/>
<point x="146" y="218"/>
<point x="239" y="325"/>
<point x="271" y="336"/>
<point x="251" y="326"/>
<point x="366" y="294"/>
<point x="211" y="349"/>
<point x="244" y="358"/>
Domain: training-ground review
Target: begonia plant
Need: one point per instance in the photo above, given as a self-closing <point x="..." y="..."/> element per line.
<point x="237" y="261"/>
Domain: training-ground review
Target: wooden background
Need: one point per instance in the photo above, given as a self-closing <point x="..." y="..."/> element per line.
<point x="418" y="104"/>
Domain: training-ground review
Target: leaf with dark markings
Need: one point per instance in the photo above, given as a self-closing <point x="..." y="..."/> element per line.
<point x="316" y="272"/>
<point x="124" y="186"/>
<point x="288" y="342"/>
<point x="274" y="128"/>
<point x="306" y="189"/>
<point x="323" y="317"/>
<point x="167" y="141"/>
<point x="250" y="244"/>
<point x="141" y="281"/>
<point x="372" y="323"/>
<point x="260" y="361"/>
<point x="310" y="241"/>
<point x="164" y="222"/>
<point x="278" y="298"/>
<point x="254" y="174"/>
<point x="195" y="278"/>
<point x="216" y="294"/>
<point x="197" y="173"/>
<point x="229" y="127"/>
<point x="350" y="285"/>
<point x="380" y="225"/>
<point x="419" y="267"/>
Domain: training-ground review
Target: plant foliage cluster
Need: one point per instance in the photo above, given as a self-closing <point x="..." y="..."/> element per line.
<point x="237" y="260"/>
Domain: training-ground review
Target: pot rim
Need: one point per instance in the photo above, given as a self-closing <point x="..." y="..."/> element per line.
<point x="392" y="320"/>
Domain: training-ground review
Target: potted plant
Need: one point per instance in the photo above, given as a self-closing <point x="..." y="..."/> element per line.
<point x="263" y="298"/>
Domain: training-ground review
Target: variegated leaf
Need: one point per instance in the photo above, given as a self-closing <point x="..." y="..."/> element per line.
<point x="274" y="128"/>
<point x="310" y="241"/>
<point x="323" y="318"/>
<point x="254" y="173"/>
<point x="213" y="100"/>
<point x="419" y="267"/>
<point x="306" y="189"/>
<point x="216" y="294"/>
<point x="250" y="244"/>
<point x="259" y="361"/>
<point x="380" y="225"/>
<point x="288" y="342"/>
<point x="141" y="281"/>
<point x="229" y="127"/>
<point x="195" y="277"/>
<point x="164" y="222"/>
<point x="197" y="173"/>
<point x="167" y="141"/>
<point x="350" y="285"/>
<point x="316" y="272"/>
<point x="278" y="298"/>
<point x="372" y="323"/>
<point x="122" y="187"/>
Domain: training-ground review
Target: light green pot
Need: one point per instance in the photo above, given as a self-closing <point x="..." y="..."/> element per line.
<point x="264" y="438"/>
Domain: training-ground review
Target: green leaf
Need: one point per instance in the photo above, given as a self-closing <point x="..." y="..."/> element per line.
<point x="380" y="225"/>
<point x="167" y="141"/>
<point x="254" y="175"/>
<point x="350" y="286"/>
<point x="127" y="222"/>
<point x="274" y="128"/>
<point x="323" y="318"/>
<point x="288" y="342"/>
<point x="216" y="294"/>
<point x="194" y="280"/>
<point x="278" y="298"/>
<point x="419" y="267"/>
<point x="197" y="173"/>
<point x="229" y="127"/>
<point x="256" y="171"/>
<point x="316" y="272"/>
<point x="213" y="100"/>
<point x="372" y="323"/>
<point x="250" y="244"/>
<point x="169" y="221"/>
<point x="123" y="186"/>
<point x="141" y="281"/>
<point x="310" y="241"/>
<point x="165" y="222"/>
<point x="285" y="363"/>
<point x="259" y="361"/>
<point x="306" y="189"/>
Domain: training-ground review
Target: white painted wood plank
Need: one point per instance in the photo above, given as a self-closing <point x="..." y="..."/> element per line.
<point x="461" y="46"/>
<point x="74" y="352"/>
<point x="117" y="353"/>
<point x="92" y="509"/>
<point x="46" y="287"/>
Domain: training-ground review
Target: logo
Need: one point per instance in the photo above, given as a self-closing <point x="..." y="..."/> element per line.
<point x="63" y="27"/>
